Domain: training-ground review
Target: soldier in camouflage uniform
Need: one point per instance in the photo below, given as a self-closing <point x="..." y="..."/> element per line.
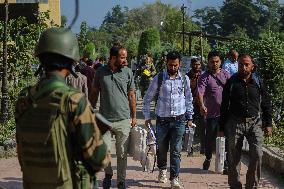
<point x="58" y="142"/>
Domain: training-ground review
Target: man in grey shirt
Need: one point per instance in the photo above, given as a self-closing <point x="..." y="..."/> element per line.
<point x="115" y="83"/>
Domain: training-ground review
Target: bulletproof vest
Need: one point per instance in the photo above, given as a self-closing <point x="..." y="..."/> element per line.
<point x="42" y="138"/>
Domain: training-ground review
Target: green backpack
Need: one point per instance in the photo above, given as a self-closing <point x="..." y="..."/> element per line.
<point x="42" y="138"/>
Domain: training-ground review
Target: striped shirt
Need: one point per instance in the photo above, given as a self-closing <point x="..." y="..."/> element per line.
<point x="174" y="97"/>
<point x="79" y="83"/>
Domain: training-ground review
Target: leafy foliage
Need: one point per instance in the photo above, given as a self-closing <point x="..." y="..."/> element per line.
<point x="252" y="17"/>
<point x="149" y="39"/>
<point x="131" y="44"/>
<point x="22" y="38"/>
<point x="277" y="137"/>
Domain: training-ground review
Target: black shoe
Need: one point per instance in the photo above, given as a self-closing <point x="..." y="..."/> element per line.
<point x="121" y="185"/>
<point x="206" y="164"/>
<point x="107" y="181"/>
<point x="225" y="171"/>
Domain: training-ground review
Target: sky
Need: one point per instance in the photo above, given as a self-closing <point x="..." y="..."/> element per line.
<point x="94" y="11"/>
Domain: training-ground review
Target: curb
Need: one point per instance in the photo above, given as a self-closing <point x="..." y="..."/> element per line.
<point x="273" y="160"/>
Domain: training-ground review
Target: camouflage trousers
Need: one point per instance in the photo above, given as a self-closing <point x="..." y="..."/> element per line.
<point x="236" y="129"/>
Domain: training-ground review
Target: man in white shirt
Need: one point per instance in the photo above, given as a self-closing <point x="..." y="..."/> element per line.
<point x="231" y="64"/>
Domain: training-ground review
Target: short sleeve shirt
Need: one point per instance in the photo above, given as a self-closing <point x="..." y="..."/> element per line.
<point x="114" y="88"/>
<point x="212" y="91"/>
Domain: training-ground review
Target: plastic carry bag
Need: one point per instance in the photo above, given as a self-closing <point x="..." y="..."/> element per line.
<point x="220" y="154"/>
<point x="189" y="138"/>
<point x="143" y="146"/>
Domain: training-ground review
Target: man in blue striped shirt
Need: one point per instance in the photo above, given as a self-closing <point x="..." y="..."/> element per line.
<point x="174" y="112"/>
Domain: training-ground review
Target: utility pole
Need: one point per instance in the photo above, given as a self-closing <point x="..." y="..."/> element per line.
<point x="190" y="45"/>
<point x="183" y="25"/>
<point x="4" y="89"/>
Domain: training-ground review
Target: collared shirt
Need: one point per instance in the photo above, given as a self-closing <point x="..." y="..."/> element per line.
<point x="172" y="99"/>
<point x="244" y="99"/>
<point x="231" y="67"/>
<point x="212" y="91"/>
<point x="89" y="72"/>
<point x="193" y="77"/>
<point x="114" y="88"/>
<point x="79" y="83"/>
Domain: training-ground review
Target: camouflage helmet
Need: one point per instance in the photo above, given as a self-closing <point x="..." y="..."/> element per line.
<point x="60" y="41"/>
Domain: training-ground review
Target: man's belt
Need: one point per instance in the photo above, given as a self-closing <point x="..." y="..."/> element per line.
<point x="247" y="119"/>
<point x="174" y="118"/>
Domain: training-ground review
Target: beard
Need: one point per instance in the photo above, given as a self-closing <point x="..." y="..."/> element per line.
<point x="172" y="72"/>
<point x="118" y="65"/>
<point x="196" y="70"/>
<point x="244" y="74"/>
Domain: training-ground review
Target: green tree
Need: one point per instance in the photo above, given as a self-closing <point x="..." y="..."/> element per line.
<point x="210" y="19"/>
<point x="244" y="14"/>
<point x="22" y="38"/>
<point x="149" y="39"/>
<point x="113" y="23"/>
<point x="90" y="50"/>
<point x="131" y="44"/>
<point x="86" y="40"/>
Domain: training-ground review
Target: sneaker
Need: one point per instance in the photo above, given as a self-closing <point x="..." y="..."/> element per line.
<point x="206" y="164"/>
<point x="162" y="178"/>
<point x="107" y="181"/>
<point x="121" y="185"/>
<point x="175" y="184"/>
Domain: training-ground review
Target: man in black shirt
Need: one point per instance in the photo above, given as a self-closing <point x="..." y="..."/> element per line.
<point x="244" y="99"/>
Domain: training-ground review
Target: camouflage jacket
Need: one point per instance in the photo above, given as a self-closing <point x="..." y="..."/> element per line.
<point x="84" y="133"/>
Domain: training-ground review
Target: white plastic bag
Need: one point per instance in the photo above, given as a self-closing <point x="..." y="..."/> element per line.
<point x="189" y="138"/>
<point x="220" y="154"/>
<point x="143" y="146"/>
<point x="137" y="147"/>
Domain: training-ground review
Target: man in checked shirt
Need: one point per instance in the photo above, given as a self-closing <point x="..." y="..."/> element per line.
<point x="174" y="112"/>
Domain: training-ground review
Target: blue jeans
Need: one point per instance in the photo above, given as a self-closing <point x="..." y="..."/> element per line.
<point x="212" y="127"/>
<point x="170" y="133"/>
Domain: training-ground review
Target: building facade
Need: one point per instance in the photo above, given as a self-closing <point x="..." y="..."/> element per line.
<point x="52" y="6"/>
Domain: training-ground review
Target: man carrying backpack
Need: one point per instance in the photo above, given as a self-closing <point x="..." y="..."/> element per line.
<point x="245" y="112"/>
<point x="59" y="145"/>
<point x="174" y="112"/>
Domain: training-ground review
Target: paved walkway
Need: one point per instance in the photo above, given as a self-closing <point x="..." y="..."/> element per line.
<point x="191" y="174"/>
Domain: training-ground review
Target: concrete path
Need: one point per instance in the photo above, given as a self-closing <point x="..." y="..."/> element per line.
<point x="191" y="174"/>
